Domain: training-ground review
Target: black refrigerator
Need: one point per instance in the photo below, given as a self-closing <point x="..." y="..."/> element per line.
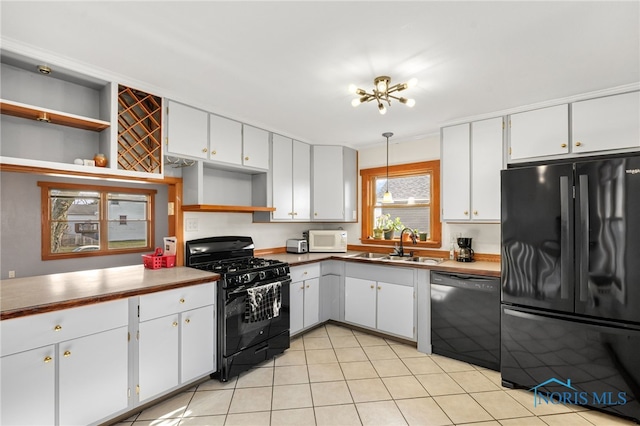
<point x="570" y="283"/>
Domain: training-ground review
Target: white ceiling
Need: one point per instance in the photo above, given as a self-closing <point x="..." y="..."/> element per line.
<point x="286" y="66"/>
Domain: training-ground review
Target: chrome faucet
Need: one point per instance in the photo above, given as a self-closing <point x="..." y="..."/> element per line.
<point x="400" y="250"/>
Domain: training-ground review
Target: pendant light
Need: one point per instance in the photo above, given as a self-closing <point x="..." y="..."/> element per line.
<point x="387" y="197"/>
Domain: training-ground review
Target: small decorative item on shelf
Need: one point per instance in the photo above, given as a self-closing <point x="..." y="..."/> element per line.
<point x="424" y="236"/>
<point x="78" y="161"/>
<point x="101" y="160"/>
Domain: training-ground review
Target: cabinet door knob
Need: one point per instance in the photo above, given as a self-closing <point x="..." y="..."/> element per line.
<point x="214" y="152"/>
<point x="563" y="145"/>
<point x="315" y="214"/>
<point x="475" y="212"/>
<point x="57" y="328"/>
<point x="295" y="213"/>
<point x="466" y="213"/>
<point x="66" y="353"/>
<point x="246" y="158"/>
<point x="578" y="143"/>
<point x="205" y="150"/>
<point x="48" y="359"/>
<point x="371" y="285"/>
<point x="307" y="285"/>
<point x="302" y="288"/>
<point x="187" y="321"/>
<point x="379" y="288"/>
<point x="305" y="272"/>
<point x="181" y="300"/>
<point x="174" y="324"/>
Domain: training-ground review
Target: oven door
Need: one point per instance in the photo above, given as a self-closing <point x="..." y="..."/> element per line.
<point x="245" y="323"/>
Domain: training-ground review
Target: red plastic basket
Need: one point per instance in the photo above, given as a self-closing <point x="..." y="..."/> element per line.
<point x="151" y="261"/>
<point x="168" y="261"/>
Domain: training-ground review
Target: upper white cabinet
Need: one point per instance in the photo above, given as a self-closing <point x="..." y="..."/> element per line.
<point x="225" y="140"/>
<point x="471" y="164"/>
<point x="291" y="179"/>
<point x="539" y="133"/>
<point x="611" y="122"/>
<point x="54" y="117"/>
<point x="187" y="132"/>
<point x="255" y="147"/>
<point x="334" y="183"/>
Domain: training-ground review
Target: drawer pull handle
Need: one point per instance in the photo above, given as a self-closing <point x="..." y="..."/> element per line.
<point x="246" y="158"/>
<point x="187" y="321"/>
<point x="181" y="300"/>
<point x="371" y="285"/>
<point x="67" y="353"/>
<point x="578" y="143"/>
<point x="57" y="328"/>
<point x="302" y="288"/>
<point x="563" y="145"/>
<point x="466" y="212"/>
<point x="174" y="324"/>
<point x="308" y="286"/>
<point x="48" y="359"/>
<point x="475" y="212"/>
<point x="379" y="288"/>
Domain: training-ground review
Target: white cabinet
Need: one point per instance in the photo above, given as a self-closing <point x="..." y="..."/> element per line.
<point x="471" y="164"/>
<point x="291" y="179"/>
<point x="334" y="183"/>
<point x="65" y="367"/>
<point x="93" y="376"/>
<point x="176" y="338"/>
<point x="28" y="387"/>
<point x="187" y="132"/>
<point x="225" y="140"/>
<point x="255" y="147"/>
<point x="304" y="297"/>
<point x="380" y="298"/>
<point x="611" y="122"/>
<point x="539" y="133"/>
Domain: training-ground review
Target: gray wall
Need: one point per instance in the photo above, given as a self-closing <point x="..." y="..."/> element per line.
<point x="20" y="227"/>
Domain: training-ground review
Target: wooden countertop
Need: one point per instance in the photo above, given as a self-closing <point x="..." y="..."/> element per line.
<point x="485" y="268"/>
<point x="34" y="295"/>
<point x="46" y="293"/>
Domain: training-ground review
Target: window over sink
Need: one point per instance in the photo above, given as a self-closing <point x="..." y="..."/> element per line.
<point x="80" y="220"/>
<point x="416" y="203"/>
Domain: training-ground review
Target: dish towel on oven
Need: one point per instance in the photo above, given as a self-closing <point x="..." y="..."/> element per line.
<point x="263" y="302"/>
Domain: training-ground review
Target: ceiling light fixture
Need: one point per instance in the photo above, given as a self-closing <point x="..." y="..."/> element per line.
<point x="382" y="92"/>
<point x="387" y="198"/>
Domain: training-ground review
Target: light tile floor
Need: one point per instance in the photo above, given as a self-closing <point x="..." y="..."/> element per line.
<point x="335" y="376"/>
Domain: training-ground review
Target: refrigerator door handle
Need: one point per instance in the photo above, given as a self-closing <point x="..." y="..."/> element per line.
<point x="583" y="256"/>
<point x="565" y="238"/>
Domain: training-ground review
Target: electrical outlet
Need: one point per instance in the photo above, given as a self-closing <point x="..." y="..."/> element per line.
<point x="191" y="224"/>
<point x="12" y="274"/>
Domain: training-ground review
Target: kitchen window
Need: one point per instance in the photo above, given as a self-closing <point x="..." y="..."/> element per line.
<point x="416" y="202"/>
<point x="78" y="220"/>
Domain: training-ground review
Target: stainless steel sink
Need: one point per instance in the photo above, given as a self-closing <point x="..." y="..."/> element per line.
<point x="377" y="256"/>
<point x="416" y="259"/>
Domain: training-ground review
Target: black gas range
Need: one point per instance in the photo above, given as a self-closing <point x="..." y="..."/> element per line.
<point x="252" y="302"/>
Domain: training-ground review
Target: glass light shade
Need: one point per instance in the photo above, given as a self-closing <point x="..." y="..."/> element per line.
<point x="411" y="102"/>
<point x="355" y="102"/>
<point x="381" y="86"/>
<point x="387" y="198"/>
<point x="412" y="82"/>
<point x="352" y="88"/>
<point x="382" y="109"/>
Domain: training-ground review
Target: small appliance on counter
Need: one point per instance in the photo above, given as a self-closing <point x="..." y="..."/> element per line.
<point x="327" y="241"/>
<point x="465" y="254"/>
<point x="297" y="245"/>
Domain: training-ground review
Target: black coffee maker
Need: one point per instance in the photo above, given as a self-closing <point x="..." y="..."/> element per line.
<point x="465" y="254"/>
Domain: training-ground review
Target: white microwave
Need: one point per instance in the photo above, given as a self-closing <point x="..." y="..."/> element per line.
<point x="327" y="241"/>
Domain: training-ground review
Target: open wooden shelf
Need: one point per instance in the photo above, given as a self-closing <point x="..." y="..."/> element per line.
<point x="31" y="112"/>
<point x="212" y="208"/>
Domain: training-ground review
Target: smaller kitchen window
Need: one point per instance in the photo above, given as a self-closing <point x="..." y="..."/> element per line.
<point x="416" y="203"/>
<point x="78" y="220"/>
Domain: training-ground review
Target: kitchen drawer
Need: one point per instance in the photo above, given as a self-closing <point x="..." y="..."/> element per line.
<point x="33" y="331"/>
<point x="305" y="272"/>
<point x="156" y="305"/>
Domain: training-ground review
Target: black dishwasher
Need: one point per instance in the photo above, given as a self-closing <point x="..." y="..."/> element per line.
<point x="465" y="318"/>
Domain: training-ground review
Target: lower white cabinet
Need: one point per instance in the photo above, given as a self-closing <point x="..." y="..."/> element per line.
<point x="28" y="387"/>
<point x="380" y="298"/>
<point x="65" y="367"/>
<point x="304" y="297"/>
<point x="176" y="338"/>
<point x="93" y="376"/>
